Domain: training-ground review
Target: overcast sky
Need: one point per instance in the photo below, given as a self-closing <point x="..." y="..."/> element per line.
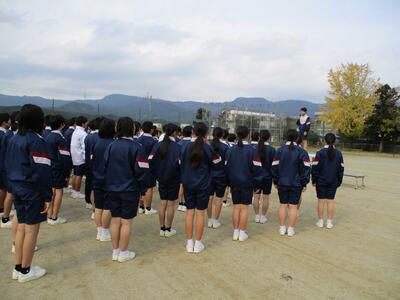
<point x="205" y="50"/>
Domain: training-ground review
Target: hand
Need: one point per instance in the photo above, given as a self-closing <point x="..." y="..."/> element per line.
<point x="45" y="208"/>
<point x="305" y="133"/>
<point x="304" y="189"/>
<point x="276" y="186"/>
<point x="257" y="191"/>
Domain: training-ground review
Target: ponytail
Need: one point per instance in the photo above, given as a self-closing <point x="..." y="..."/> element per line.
<point x="264" y="137"/>
<point x="292" y="136"/>
<point x="218" y="132"/>
<point x="330" y="141"/>
<point x="197" y="154"/>
<point x="170" y="129"/>
<point x="242" y="133"/>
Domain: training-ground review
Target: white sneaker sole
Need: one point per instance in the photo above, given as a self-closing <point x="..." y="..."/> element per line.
<point x="125" y="259"/>
<point x="189" y="249"/>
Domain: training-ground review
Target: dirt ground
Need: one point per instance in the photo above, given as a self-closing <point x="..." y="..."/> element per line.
<point x="358" y="259"/>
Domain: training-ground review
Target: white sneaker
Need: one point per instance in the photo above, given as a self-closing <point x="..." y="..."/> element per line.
<point x="198" y="247"/>
<point x="257" y="218"/>
<point x="125" y="256"/>
<point x="243" y="236"/>
<point x="263" y="219"/>
<point x="210" y="223"/>
<point x="184" y="208"/>
<point x="162" y="233"/>
<point x="169" y="233"/>
<point x="98" y="236"/>
<point x="290" y="231"/>
<point x="216" y="224"/>
<point x="92" y="216"/>
<point x="115" y="255"/>
<point x="15" y="274"/>
<point x="59" y="220"/>
<point x="189" y="246"/>
<point x="88" y="206"/>
<point x="34" y="273"/>
<point x="105" y="237"/>
<point x="141" y="210"/>
<point x="329" y="224"/>
<point x="150" y="211"/>
<point x="320" y="223"/>
<point x="180" y="207"/>
<point x="282" y="230"/>
<point x="235" y="236"/>
<point x="7" y="224"/>
<point x="226" y="204"/>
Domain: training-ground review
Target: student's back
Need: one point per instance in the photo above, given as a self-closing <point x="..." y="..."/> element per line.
<point x="126" y="166"/>
<point x="59" y="150"/>
<point x="166" y="170"/>
<point x="147" y="141"/>
<point x="200" y="177"/>
<point x="328" y="171"/>
<point x="90" y="142"/>
<point x="68" y="134"/>
<point x="219" y="158"/>
<point x="28" y="163"/>
<point x="98" y="162"/>
<point x="242" y="164"/>
<point x="5" y="137"/>
<point x="291" y="166"/>
<point x="269" y="154"/>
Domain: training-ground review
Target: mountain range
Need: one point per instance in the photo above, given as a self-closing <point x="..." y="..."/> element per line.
<point x="156" y="109"/>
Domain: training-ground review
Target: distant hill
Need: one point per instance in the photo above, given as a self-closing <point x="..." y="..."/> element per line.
<point x="140" y="108"/>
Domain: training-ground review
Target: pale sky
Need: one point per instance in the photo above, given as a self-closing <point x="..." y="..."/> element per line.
<point x="192" y="50"/>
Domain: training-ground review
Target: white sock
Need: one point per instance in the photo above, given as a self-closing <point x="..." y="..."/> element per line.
<point x="116" y="251"/>
<point x="290" y="228"/>
<point x="104" y="231"/>
<point x="99" y="230"/>
<point x="189" y="243"/>
<point x="197" y="243"/>
<point x="282" y="227"/>
<point x="124" y="253"/>
<point x="236" y="231"/>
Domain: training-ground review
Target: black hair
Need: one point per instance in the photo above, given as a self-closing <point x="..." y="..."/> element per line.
<point x="107" y="129"/>
<point x="95" y="123"/>
<point x="138" y="126"/>
<point x="79" y="121"/>
<point x="4" y="117"/>
<point x="187" y="131"/>
<point x="330" y="139"/>
<point x="56" y="122"/>
<point x="218" y="132"/>
<point x="47" y="120"/>
<point x="178" y="129"/>
<point x="304" y="109"/>
<point x="291" y="136"/>
<point x="231" y="137"/>
<point x="170" y="129"/>
<point x="226" y="133"/>
<point x="125" y="127"/>
<point x="264" y="137"/>
<point x="299" y="140"/>
<point x="70" y="122"/>
<point x="155" y="130"/>
<point x="14" y="122"/>
<point x="242" y="133"/>
<point x="31" y="117"/>
<point x="196" y="157"/>
<point x="147" y="126"/>
<point x="255" y="136"/>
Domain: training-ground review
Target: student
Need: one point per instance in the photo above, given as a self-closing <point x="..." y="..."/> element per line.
<point x="243" y="167"/>
<point x="196" y="163"/>
<point x="291" y="174"/>
<point x="218" y="178"/>
<point x="186" y="138"/>
<point x="231" y="139"/>
<point x="126" y="169"/>
<point x="102" y="215"/>
<point x="68" y="131"/>
<point x="90" y="141"/>
<point x="5" y="123"/>
<point x="327" y="176"/>
<point x="304" y="124"/>
<point x="224" y="140"/>
<point x="78" y="155"/>
<point x="299" y="142"/>
<point x="147" y="141"/>
<point x="164" y="165"/>
<point x="255" y="136"/>
<point x="28" y="168"/>
<point x="47" y="128"/>
<point x="266" y="154"/>
<point x="60" y="156"/>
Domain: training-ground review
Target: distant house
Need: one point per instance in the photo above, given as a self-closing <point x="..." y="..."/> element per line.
<point x="320" y="127"/>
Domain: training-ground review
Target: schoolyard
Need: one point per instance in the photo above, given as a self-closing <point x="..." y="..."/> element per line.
<point x="358" y="259"/>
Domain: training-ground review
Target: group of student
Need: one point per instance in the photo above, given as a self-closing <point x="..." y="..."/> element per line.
<point x="124" y="160"/>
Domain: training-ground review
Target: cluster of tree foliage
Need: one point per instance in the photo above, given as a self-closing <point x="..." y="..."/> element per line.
<point x="359" y="106"/>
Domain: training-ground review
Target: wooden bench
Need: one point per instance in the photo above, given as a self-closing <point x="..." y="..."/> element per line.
<point x="356" y="177"/>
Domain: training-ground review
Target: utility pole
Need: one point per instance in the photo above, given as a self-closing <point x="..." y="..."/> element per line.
<point x="98" y="110"/>
<point x="53" y="106"/>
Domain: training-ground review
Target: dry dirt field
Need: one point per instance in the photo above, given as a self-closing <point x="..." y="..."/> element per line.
<point x="358" y="259"/>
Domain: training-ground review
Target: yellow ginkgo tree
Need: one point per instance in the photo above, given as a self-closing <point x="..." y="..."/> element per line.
<point x="351" y="98"/>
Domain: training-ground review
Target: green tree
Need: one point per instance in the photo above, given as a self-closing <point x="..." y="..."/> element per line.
<point x="351" y="98"/>
<point x="384" y="122"/>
